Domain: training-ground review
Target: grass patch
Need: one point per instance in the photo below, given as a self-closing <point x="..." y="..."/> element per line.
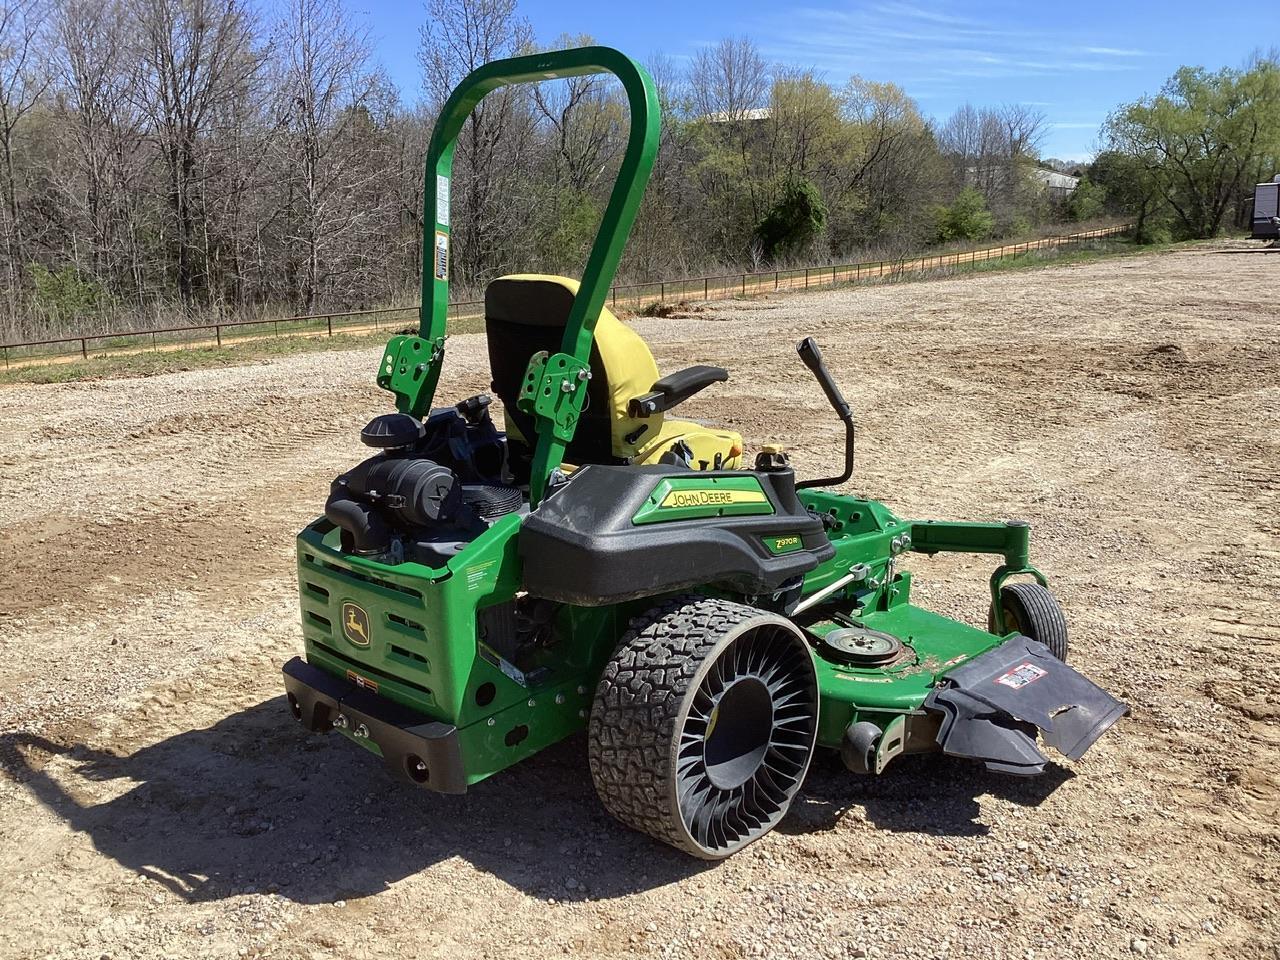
<point x="146" y="363"/>
<point x="664" y="310"/>
<point x="117" y="366"/>
<point x="1089" y="251"/>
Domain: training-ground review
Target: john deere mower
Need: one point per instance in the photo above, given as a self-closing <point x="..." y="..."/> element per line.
<point x="474" y="594"/>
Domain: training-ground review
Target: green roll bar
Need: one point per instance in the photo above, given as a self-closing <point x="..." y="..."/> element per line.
<point x="555" y="387"/>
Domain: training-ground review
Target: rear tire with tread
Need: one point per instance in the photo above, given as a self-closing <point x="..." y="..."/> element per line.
<point x="1031" y="610"/>
<point x="704" y="724"/>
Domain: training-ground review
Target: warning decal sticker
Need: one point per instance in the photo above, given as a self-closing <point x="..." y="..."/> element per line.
<point x="442" y="255"/>
<point x="1021" y="675"/>
<point x="442" y="201"/>
<point x="478" y="575"/>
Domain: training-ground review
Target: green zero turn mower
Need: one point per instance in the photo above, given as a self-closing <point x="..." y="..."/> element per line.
<point x="472" y="595"/>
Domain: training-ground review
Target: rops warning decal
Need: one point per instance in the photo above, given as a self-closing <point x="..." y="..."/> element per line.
<point x="442" y="201"/>
<point x="1021" y="675"/>
<point x="442" y="255"/>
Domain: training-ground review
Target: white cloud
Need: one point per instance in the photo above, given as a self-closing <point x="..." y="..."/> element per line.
<point x="1115" y="52"/>
<point x="923" y="42"/>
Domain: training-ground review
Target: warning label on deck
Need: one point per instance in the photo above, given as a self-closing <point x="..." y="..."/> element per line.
<point x="1021" y="675"/>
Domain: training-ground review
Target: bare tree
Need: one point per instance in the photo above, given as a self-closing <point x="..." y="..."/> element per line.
<point x="329" y="95"/>
<point x="24" y="77"/>
<point x="459" y="36"/>
<point x="728" y="80"/>
<point x="728" y="84"/>
<point x="991" y="149"/>
<point x="196" y="57"/>
<point x="585" y="115"/>
<point x="409" y="131"/>
<point x="104" y="135"/>
<point x="1024" y="130"/>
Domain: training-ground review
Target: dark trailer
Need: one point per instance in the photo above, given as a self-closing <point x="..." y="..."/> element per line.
<point x="1266" y="210"/>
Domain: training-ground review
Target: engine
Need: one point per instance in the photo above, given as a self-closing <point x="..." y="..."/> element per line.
<point x="433" y="487"/>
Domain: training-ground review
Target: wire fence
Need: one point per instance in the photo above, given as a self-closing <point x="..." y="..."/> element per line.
<point x="631" y="295"/>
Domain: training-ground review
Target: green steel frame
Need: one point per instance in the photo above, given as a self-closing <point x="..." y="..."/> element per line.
<point x="557" y="386"/>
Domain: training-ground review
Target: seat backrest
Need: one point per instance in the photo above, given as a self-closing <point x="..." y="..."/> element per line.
<point x="527" y="313"/>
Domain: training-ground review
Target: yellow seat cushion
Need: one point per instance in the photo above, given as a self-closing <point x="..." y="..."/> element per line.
<point x="705" y="442"/>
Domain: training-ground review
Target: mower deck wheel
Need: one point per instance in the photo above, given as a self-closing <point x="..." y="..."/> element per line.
<point x="704" y="723"/>
<point x="1031" y="610"/>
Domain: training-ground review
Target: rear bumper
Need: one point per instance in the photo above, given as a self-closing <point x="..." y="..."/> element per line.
<point x="422" y="751"/>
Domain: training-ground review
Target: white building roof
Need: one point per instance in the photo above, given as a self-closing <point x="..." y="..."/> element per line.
<point x="1055" y="180"/>
<point x="734" y="116"/>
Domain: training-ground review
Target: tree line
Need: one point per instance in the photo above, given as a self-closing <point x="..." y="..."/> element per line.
<point x="162" y="159"/>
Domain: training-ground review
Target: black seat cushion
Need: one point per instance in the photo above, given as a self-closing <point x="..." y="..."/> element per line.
<point x="523" y="317"/>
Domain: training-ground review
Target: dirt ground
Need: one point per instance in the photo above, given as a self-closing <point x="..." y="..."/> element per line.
<point x="156" y="799"/>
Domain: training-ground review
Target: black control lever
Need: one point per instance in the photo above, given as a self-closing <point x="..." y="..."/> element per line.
<point x="812" y="357"/>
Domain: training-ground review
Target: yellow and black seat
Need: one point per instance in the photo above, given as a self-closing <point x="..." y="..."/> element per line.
<point x="622" y="422"/>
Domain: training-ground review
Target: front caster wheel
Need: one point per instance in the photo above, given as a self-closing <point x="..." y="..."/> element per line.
<point x="1031" y="610"/>
<point x="703" y="724"/>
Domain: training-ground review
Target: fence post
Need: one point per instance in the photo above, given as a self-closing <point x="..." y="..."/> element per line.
<point x="84" y="349"/>
<point x="806" y="278"/>
<point x="615" y="296"/>
<point x="329" y="323"/>
<point x="744" y="284"/>
<point x="662" y="291"/>
<point x="217" y="333"/>
<point x="705" y="294"/>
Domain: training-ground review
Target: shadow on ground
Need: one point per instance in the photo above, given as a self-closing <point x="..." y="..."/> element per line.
<point x="254" y="804"/>
<point x="929" y="794"/>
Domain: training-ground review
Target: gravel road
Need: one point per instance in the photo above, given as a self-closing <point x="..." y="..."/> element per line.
<point x="157" y="801"/>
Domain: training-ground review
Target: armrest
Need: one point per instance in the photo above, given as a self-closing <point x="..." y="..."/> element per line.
<point x="675" y="388"/>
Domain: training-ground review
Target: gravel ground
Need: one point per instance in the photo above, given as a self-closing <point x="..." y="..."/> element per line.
<point x="157" y="801"/>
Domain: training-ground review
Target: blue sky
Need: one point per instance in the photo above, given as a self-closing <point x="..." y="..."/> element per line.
<point x="1073" y="60"/>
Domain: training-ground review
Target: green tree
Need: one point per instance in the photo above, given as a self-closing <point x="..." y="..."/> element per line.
<point x="967" y="218"/>
<point x="1087" y="200"/>
<point x="1130" y="191"/>
<point x="64" y="296"/>
<point x="1198" y="141"/>
<point x="794" y="221"/>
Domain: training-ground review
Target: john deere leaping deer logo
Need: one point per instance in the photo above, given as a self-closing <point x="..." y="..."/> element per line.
<point x="355" y="624"/>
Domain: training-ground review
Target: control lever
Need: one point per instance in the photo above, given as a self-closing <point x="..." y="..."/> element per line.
<point x="812" y="358"/>
<point x="475" y="410"/>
